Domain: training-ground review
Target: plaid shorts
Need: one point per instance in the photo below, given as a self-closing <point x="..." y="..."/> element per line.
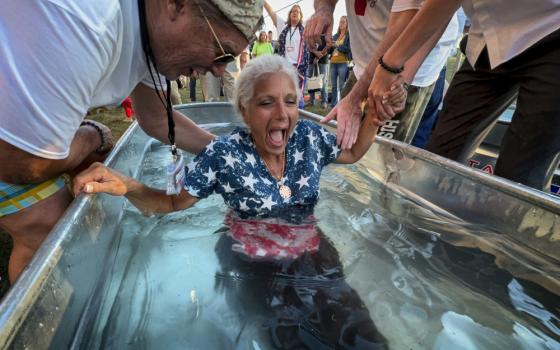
<point x="14" y="198"/>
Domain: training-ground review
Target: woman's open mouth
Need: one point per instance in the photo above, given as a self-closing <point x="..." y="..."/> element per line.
<point x="276" y="138"/>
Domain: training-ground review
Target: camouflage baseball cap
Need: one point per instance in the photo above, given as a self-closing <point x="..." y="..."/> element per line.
<point x="246" y="15"/>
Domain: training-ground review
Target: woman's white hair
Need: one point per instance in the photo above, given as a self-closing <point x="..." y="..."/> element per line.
<point x="254" y="71"/>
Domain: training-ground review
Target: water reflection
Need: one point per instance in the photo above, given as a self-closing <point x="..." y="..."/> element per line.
<point x="286" y="282"/>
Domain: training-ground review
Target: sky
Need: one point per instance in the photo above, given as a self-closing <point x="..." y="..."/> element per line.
<point x="306" y="8"/>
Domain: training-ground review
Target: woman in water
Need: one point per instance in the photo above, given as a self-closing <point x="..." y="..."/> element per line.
<point x="272" y="164"/>
<point x="289" y="284"/>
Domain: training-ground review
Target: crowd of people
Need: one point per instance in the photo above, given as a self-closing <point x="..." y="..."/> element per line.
<point x="76" y="57"/>
<point x="326" y="65"/>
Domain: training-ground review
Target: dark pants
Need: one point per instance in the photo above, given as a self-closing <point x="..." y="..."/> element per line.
<point x="531" y="141"/>
<point x="431" y="113"/>
<point x="300" y="304"/>
<point x="192" y="89"/>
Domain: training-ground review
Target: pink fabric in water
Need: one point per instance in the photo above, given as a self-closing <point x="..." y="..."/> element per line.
<point x="262" y="239"/>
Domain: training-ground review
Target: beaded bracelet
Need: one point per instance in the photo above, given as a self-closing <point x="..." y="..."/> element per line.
<point x="389" y="68"/>
<point x="99" y="131"/>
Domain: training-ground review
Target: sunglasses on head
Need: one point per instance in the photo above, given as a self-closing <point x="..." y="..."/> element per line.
<point x="224" y="58"/>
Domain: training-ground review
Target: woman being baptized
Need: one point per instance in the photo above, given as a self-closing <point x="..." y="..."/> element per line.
<point x="273" y="164"/>
<point x="268" y="175"/>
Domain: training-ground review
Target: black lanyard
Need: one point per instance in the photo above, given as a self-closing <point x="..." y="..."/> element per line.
<point x="149" y="55"/>
<point x="292" y="33"/>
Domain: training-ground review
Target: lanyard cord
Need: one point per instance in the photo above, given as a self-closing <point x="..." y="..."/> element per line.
<point x="292" y="33"/>
<point x="149" y="55"/>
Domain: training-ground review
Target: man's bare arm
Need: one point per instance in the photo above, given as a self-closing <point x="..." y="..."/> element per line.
<point x="152" y="117"/>
<point x="396" y="25"/>
<point x="20" y="167"/>
<point x="272" y="14"/>
<point x="432" y="15"/>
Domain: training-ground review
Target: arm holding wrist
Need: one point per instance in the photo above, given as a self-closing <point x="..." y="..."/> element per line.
<point x="398" y="21"/>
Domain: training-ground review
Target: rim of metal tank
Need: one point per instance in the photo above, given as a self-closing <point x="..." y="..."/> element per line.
<point x="517" y="190"/>
<point x="18" y="301"/>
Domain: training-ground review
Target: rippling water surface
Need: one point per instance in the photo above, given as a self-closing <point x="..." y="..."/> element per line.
<point x="414" y="276"/>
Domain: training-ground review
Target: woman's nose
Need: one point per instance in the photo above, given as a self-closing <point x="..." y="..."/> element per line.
<point x="282" y="112"/>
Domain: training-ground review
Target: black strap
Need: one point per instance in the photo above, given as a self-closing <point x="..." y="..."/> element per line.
<point x="149" y="55"/>
<point x="170" y="121"/>
<point x="393" y="70"/>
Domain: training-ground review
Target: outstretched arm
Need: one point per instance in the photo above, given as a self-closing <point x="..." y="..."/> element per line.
<point x="432" y="15"/>
<point x="348" y="112"/>
<point x="271" y="13"/>
<point x="411" y="48"/>
<point x="100" y="179"/>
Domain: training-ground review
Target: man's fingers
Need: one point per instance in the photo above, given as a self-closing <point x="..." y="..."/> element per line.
<point x="329" y="117"/>
<point x="396" y="98"/>
<point x="95" y="173"/>
<point x="312" y="34"/>
<point x="341" y="131"/>
<point x="101" y="187"/>
<point x="355" y="131"/>
<point x="385" y="111"/>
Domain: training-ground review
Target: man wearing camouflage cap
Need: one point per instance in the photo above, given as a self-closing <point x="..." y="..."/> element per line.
<point x="69" y="56"/>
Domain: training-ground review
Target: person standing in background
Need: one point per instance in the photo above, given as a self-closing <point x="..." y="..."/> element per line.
<point x="211" y="85"/>
<point x="290" y="41"/>
<point x="228" y="79"/>
<point x="192" y="87"/>
<point x="272" y="42"/>
<point x="429" y="118"/>
<point x="318" y="65"/>
<point x="340" y="57"/>
<point x="262" y="46"/>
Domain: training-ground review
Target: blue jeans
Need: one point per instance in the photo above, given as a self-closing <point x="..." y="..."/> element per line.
<point x="431" y="114"/>
<point x="339" y="73"/>
<point x="311" y="71"/>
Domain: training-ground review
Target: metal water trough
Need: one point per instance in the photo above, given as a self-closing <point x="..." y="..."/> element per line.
<point x="48" y="306"/>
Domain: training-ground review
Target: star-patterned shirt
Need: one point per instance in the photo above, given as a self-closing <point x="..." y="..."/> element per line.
<point x="231" y="167"/>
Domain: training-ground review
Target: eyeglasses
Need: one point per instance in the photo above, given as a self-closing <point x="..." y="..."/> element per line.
<point x="224" y="58"/>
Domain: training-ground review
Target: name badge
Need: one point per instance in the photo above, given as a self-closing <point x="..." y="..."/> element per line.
<point x="289" y="49"/>
<point x="175" y="173"/>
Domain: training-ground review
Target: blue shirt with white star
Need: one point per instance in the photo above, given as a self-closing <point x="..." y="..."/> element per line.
<point x="231" y="167"/>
